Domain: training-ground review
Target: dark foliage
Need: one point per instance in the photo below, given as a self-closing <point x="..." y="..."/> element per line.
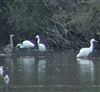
<point x="64" y="23"/>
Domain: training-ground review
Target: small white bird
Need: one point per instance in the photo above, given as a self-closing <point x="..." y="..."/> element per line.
<point x="26" y="44"/>
<point x="41" y="46"/>
<point x="1" y="71"/>
<point x="6" y="79"/>
<point x="84" y="52"/>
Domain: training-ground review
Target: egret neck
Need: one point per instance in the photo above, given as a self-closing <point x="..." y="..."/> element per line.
<point x="11" y="42"/>
<point x="38" y="40"/>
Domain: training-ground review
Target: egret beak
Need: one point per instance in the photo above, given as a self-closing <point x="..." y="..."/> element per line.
<point x="16" y="46"/>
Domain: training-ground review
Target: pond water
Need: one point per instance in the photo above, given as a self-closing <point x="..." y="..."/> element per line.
<point x="50" y="72"/>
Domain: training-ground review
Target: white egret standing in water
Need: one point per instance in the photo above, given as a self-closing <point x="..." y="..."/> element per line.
<point x="9" y="48"/>
<point x="84" y="52"/>
<point x="26" y="44"/>
<point x="41" y="46"/>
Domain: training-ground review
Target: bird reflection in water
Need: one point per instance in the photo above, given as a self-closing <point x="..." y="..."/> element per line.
<point x="86" y="70"/>
<point x="28" y="62"/>
<point x="26" y="68"/>
<point x="41" y="70"/>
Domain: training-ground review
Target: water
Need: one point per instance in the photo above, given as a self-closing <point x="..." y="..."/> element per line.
<point x="50" y="72"/>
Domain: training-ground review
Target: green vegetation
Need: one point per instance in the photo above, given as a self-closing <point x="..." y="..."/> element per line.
<point x="64" y="23"/>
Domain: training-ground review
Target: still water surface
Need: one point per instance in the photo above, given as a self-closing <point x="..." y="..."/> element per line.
<point x="50" y="72"/>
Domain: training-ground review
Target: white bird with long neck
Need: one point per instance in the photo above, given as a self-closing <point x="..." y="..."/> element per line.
<point x="41" y="46"/>
<point x="11" y="41"/>
<point x="26" y="44"/>
<point x="84" y="52"/>
<point x="9" y="48"/>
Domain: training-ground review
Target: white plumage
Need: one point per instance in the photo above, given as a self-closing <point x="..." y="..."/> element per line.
<point x="1" y="71"/>
<point x="41" y="46"/>
<point x="9" y="47"/>
<point x="84" y="52"/>
<point x="26" y="44"/>
<point x="6" y="79"/>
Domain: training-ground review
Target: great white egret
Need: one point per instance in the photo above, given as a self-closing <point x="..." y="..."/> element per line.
<point x="9" y="48"/>
<point x="41" y="46"/>
<point x="26" y="44"/>
<point x="84" y="52"/>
